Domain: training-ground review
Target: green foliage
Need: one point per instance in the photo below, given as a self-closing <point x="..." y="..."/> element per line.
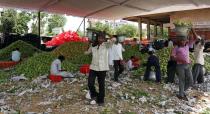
<point x="12" y="21"/>
<point x="206" y="111"/>
<point x="138" y="93"/>
<point x="128" y="30"/>
<point x="74" y="52"/>
<point x="3" y="76"/>
<point x="39" y="64"/>
<point x="207" y="63"/>
<point x="56" y="21"/>
<point x="139" y="72"/>
<point x="8" y="21"/>
<point x="43" y="21"/>
<point x="22" y="20"/>
<point x="183" y="23"/>
<point x="103" y="27"/>
<point x="106" y="111"/>
<point x="26" y="50"/>
<point x="164" y="55"/>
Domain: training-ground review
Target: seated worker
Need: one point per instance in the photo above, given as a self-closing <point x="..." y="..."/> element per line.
<point x="16" y="55"/>
<point x="56" y="68"/>
<point x="133" y="63"/>
<point x="152" y="61"/>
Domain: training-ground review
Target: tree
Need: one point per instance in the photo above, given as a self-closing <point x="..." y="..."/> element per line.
<point x="8" y="21"/>
<point x="56" y="21"/>
<point x="21" y="25"/>
<point x="103" y="27"/>
<point x="12" y="21"/>
<point x="128" y="30"/>
<point x="43" y="20"/>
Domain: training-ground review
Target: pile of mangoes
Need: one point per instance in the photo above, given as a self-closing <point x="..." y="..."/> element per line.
<point x="27" y="50"/>
<point x="39" y="64"/>
<point x="74" y="52"/>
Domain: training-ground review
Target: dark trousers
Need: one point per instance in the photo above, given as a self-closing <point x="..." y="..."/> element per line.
<point x="118" y="69"/>
<point x="157" y="72"/>
<point x="171" y="72"/>
<point x="185" y="77"/>
<point x="197" y="72"/>
<point x="101" y="82"/>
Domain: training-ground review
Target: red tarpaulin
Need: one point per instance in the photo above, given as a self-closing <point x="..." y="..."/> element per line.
<point x="69" y="36"/>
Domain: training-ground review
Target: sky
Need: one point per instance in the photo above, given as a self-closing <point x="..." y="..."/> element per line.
<point x="73" y="23"/>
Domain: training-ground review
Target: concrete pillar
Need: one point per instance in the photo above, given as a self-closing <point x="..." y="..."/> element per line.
<point x="155" y="30"/>
<point x="148" y="30"/>
<point x="161" y="29"/>
<point x="140" y="28"/>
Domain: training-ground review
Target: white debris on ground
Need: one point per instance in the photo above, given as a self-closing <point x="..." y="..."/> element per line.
<point x="72" y="96"/>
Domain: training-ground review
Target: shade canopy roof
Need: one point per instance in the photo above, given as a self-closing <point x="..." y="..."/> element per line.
<point x="106" y="9"/>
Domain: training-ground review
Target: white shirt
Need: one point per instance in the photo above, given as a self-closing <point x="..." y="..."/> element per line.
<point x="16" y="56"/>
<point x="117" y="51"/>
<point x="130" y="65"/>
<point x="111" y="56"/>
<point x="198" y="54"/>
<point x="100" y="61"/>
<point x="170" y="44"/>
<point x="55" y="67"/>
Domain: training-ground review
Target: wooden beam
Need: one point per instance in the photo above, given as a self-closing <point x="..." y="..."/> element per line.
<point x="151" y="21"/>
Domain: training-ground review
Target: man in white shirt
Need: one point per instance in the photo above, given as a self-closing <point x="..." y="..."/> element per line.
<point x="170" y="43"/>
<point x="111" y="57"/>
<point x="199" y="61"/>
<point x="98" y="68"/>
<point x="117" y="58"/>
<point x="16" y="55"/>
<point x="56" y="68"/>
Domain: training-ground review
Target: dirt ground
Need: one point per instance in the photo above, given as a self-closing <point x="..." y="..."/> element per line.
<point x="68" y="97"/>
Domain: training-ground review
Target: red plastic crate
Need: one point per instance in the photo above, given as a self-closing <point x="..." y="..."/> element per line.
<point x="55" y="78"/>
<point x="85" y="69"/>
<point x="7" y="64"/>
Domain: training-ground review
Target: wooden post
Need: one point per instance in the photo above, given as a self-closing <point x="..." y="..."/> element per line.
<point x="148" y="30"/>
<point x="140" y="28"/>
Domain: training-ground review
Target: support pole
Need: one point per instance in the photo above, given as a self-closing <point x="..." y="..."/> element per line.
<point x="155" y="30"/>
<point x="84" y="27"/>
<point x="140" y="28"/>
<point x="161" y="29"/>
<point x="148" y="30"/>
<point x="80" y="25"/>
<point x="169" y="32"/>
<point x="39" y="28"/>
